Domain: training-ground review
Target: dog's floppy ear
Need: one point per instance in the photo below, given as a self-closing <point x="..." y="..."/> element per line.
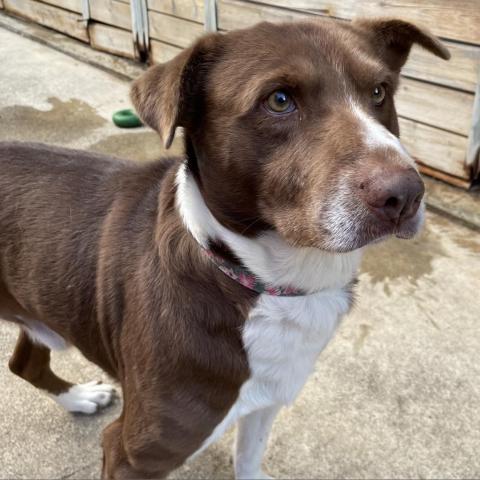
<point x="162" y="94"/>
<point x="393" y="39"/>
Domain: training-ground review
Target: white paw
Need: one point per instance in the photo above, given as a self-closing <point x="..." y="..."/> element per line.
<point x="86" y="397"/>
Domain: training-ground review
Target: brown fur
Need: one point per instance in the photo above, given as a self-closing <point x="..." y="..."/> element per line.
<point x="89" y="267"/>
<point x="32" y="363"/>
<point x="94" y="248"/>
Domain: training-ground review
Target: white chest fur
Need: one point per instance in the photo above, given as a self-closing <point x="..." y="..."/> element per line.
<point x="283" y="337"/>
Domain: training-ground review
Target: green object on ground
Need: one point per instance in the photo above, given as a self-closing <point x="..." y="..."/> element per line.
<point x="126" y="119"/>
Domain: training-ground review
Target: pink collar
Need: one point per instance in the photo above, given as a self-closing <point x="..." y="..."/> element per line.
<point x="245" y="277"/>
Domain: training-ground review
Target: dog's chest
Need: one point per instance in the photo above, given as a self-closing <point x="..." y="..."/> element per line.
<point x="283" y="337"/>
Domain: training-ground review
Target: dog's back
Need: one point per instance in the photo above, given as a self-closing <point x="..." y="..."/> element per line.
<point x="51" y="186"/>
<point x="49" y="195"/>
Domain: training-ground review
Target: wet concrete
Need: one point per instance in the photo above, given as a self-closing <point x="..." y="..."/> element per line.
<point x="57" y="99"/>
<point x="136" y="146"/>
<point x="408" y="260"/>
<point x="64" y="122"/>
<point x="395" y="394"/>
<point x="455" y="201"/>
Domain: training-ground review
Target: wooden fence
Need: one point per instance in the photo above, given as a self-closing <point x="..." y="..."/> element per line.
<point x="435" y="101"/>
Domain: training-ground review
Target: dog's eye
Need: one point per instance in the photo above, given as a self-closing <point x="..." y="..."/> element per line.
<point x="378" y="95"/>
<point x="280" y="102"/>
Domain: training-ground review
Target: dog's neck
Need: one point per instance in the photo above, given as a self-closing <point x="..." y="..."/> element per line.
<point x="268" y="256"/>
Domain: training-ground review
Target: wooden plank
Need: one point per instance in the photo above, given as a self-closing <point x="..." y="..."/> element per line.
<point x="188" y="9"/>
<point x="461" y="71"/>
<point x="73" y="5"/>
<point x="162" y="52"/>
<point x="111" y="39"/>
<point x="445" y="177"/>
<point x="173" y="30"/>
<point x="319" y="7"/>
<point x="435" y="148"/>
<point x="111" y="12"/>
<point x="457" y="20"/>
<point x="233" y="14"/>
<point x="437" y="106"/>
<point x="56" y="18"/>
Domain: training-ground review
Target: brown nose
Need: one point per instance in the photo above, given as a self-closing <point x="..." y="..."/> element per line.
<point x="396" y="195"/>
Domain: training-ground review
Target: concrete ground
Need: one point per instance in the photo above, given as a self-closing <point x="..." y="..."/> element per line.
<point x="395" y="394"/>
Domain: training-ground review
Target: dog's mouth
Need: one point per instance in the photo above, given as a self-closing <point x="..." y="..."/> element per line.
<point x="370" y="231"/>
<point x="405" y="230"/>
<point x="411" y="227"/>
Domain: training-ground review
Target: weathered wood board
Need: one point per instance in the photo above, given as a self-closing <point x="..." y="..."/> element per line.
<point x="50" y="16"/>
<point x="233" y="14"/>
<point x="188" y="9"/>
<point x="435" y="105"/>
<point x="461" y="71"/>
<point x="111" y="39"/>
<point x="173" y="30"/>
<point x="457" y="20"/>
<point x="111" y="12"/>
<point x="72" y="5"/>
<point x="162" y="52"/>
<point x="445" y="177"/>
<point x="436" y="148"/>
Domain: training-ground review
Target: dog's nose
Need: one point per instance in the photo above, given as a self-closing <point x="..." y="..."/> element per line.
<point x="396" y="195"/>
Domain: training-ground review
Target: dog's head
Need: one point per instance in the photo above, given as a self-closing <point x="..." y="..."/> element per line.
<point x="293" y="127"/>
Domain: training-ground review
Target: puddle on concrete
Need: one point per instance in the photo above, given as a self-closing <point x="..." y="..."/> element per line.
<point x="413" y="259"/>
<point x="407" y="259"/>
<point x="64" y="122"/>
<point x="141" y="146"/>
<point x="464" y="237"/>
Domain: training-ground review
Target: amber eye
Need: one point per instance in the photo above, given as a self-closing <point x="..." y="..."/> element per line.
<point x="280" y="102"/>
<point x="378" y="95"/>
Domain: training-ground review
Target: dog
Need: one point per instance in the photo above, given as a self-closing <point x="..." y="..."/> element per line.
<point x="208" y="285"/>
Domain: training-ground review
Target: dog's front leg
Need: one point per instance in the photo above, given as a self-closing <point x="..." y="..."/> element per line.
<point x="252" y="437"/>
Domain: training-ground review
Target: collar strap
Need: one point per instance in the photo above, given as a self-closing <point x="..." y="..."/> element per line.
<point x="243" y="276"/>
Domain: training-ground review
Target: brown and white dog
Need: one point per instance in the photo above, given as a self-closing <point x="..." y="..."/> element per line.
<point x="208" y="285"/>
